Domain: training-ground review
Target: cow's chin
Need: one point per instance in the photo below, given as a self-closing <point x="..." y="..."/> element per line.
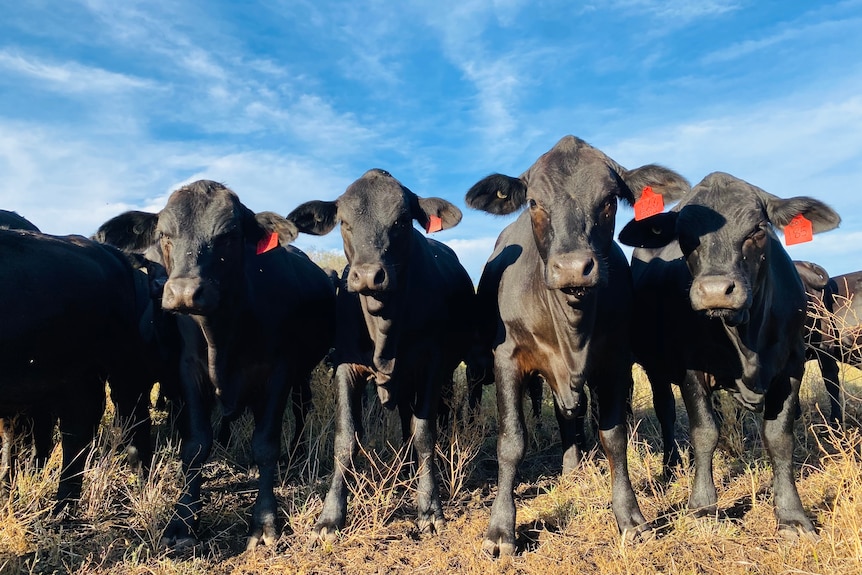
<point x="375" y="302"/>
<point x="731" y="317"/>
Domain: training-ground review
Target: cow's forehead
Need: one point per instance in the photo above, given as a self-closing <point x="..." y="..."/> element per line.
<point x="375" y="195"/>
<point x="572" y="171"/>
<point x="724" y="210"/>
<point x="201" y="203"/>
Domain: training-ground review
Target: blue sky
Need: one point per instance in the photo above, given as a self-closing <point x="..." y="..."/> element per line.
<point x="107" y="106"/>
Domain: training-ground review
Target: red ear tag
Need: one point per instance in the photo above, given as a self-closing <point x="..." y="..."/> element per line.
<point x="798" y="231"/>
<point x="267" y="242"/>
<point x="649" y="204"/>
<point x="435" y="224"/>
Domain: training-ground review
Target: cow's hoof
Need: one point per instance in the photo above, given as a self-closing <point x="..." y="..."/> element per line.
<point x="639" y="534"/>
<point x="265" y="534"/>
<point x="499" y="548"/>
<point x="327" y="534"/>
<point x="180" y="543"/>
<point x="431" y="525"/>
<point x="793" y="532"/>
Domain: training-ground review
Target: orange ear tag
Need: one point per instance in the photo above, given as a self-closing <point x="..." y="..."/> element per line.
<point x="649" y="204"/>
<point x="435" y="224"/>
<point x="798" y="231"/>
<point x="267" y="242"/>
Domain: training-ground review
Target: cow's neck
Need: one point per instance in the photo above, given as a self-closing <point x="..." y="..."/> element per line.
<point x="219" y="331"/>
<point x="572" y="328"/>
<point x="747" y="340"/>
<point x="384" y="329"/>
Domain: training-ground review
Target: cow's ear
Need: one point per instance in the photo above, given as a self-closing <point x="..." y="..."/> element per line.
<point x="812" y="275"/>
<point x="497" y="194"/>
<point x="273" y="222"/>
<point x="663" y="181"/>
<point x="316" y="217"/>
<point x="653" y="232"/>
<point x="132" y="231"/>
<point x="781" y="211"/>
<point x="435" y="214"/>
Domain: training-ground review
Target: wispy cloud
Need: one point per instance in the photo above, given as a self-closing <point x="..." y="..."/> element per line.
<point x="674" y="12"/>
<point x="70" y="76"/>
<point x="784" y="36"/>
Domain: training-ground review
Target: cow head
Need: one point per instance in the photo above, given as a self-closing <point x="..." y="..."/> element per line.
<point x="572" y="193"/>
<point x="725" y="232"/>
<point x="201" y="237"/>
<point x="376" y="214"/>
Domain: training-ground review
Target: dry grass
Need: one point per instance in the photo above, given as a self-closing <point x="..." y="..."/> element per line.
<point x="565" y="525"/>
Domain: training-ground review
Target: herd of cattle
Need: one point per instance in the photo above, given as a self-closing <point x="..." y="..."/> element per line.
<point x="211" y="300"/>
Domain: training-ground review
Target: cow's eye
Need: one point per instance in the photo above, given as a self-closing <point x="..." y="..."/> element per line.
<point x="532" y="203"/>
<point x="758" y="237"/>
<point x="345" y="226"/>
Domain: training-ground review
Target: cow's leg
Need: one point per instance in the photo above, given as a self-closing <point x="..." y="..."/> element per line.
<point x="423" y="427"/>
<point x="349" y="385"/>
<point x="6" y="437"/>
<point x="41" y="427"/>
<point x="268" y="410"/>
<point x="535" y="388"/>
<point x="511" y="447"/>
<point x="704" y="439"/>
<point x="79" y="420"/>
<point x="197" y="439"/>
<point x="829" y="371"/>
<point x="128" y="392"/>
<point x="300" y="406"/>
<point x="664" y="404"/>
<point x="572" y="434"/>
<point x="612" y="399"/>
<point x="778" y="417"/>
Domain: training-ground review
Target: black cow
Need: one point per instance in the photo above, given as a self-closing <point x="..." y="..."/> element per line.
<point x="40" y="424"/>
<point x="718" y="304"/>
<point x="253" y="323"/>
<point x="847" y="316"/>
<point x="403" y="323"/>
<point x="70" y="311"/>
<point x="13" y="221"/>
<point x="818" y="332"/>
<point x="559" y="291"/>
<point x="833" y="331"/>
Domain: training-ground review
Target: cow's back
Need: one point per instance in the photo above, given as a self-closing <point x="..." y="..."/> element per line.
<point x="68" y="308"/>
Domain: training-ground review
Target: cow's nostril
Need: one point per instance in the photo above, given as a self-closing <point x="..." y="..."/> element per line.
<point x="588" y="267"/>
<point x="380" y="277"/>
<point x="730" y="287"/>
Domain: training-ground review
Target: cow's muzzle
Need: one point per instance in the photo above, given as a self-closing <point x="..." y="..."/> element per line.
<point x="369" y="279"/>
<point x="190" y="295"/>
<point x="722" y="295"/>
<point x="573" y="272"/>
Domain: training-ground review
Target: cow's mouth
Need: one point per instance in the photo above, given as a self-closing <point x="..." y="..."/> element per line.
<point x="731" y="317"/>
<point x="375" y="301"/>
<point x="575" y="294"/>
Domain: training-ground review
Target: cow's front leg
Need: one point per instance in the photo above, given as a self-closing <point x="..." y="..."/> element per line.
<point x="571" y="433"/>
<point x="265" y="442"/>
<point x="428" y="505"/>
<point x="197" y="438"/>
<point x="424" y="430"/>
<point x="664" y="404"/>
<point x="349" y="383"/>
<point x="78" y="423"/>
<point x="704" y="439"/>
<point x="778" y="417"/>
<point x="612" y="396"/>
<point x="511" y="447"/>
<point x="829" y="371"/>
